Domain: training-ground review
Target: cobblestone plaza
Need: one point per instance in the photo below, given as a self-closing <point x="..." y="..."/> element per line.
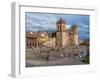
<point x="54" y="56"/>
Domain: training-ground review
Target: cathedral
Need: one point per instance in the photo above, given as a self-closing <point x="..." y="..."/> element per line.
<point x="66" y="37"/>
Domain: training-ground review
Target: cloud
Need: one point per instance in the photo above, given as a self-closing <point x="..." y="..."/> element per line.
<point x="47" y="22"/>
<point x="83" y="31"/>
<point x="68" y="26"/>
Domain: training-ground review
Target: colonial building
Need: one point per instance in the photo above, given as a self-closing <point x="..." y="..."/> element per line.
<point x="50" y="43"/>
<point x="61" y="34"/>
<point x="73" y="36"/>
<point x="35" y="39"/>
<point x="65" y="37"/>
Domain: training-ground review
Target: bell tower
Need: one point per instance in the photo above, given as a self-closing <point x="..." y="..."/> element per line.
<point x="61" y="33"/>
<point x="73" y="35"/>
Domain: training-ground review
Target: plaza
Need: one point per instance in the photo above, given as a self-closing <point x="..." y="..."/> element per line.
<point x="53" y="56"/>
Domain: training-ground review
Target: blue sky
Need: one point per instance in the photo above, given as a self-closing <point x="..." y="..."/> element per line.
<point x="47" y="22"/>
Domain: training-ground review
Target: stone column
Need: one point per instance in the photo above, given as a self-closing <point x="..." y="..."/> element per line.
<point x="37" y="45"/>
<point x="33" y="44"/>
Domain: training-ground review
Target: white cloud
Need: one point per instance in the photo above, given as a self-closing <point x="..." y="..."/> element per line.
<point x="68" y="26"/>
<point x="46" y="22"/>
<point x="83" y="25"/>
<point x="83" y="31"/>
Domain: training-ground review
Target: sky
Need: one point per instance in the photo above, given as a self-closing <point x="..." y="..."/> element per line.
<point x="47" y="22"/>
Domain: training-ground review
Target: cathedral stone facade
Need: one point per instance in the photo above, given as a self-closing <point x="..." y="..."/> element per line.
<point x="66" y="37"/>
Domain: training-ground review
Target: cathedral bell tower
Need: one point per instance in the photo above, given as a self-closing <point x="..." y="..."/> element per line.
<point x="61" y="34"/>
<point x="73" y="35"/>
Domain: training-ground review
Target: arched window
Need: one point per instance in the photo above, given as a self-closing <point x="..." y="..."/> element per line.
<point x="30" y="45"/>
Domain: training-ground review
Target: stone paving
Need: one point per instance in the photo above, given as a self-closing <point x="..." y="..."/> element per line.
<point x="51" y="57"/>
<point x="43" y="62"/>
